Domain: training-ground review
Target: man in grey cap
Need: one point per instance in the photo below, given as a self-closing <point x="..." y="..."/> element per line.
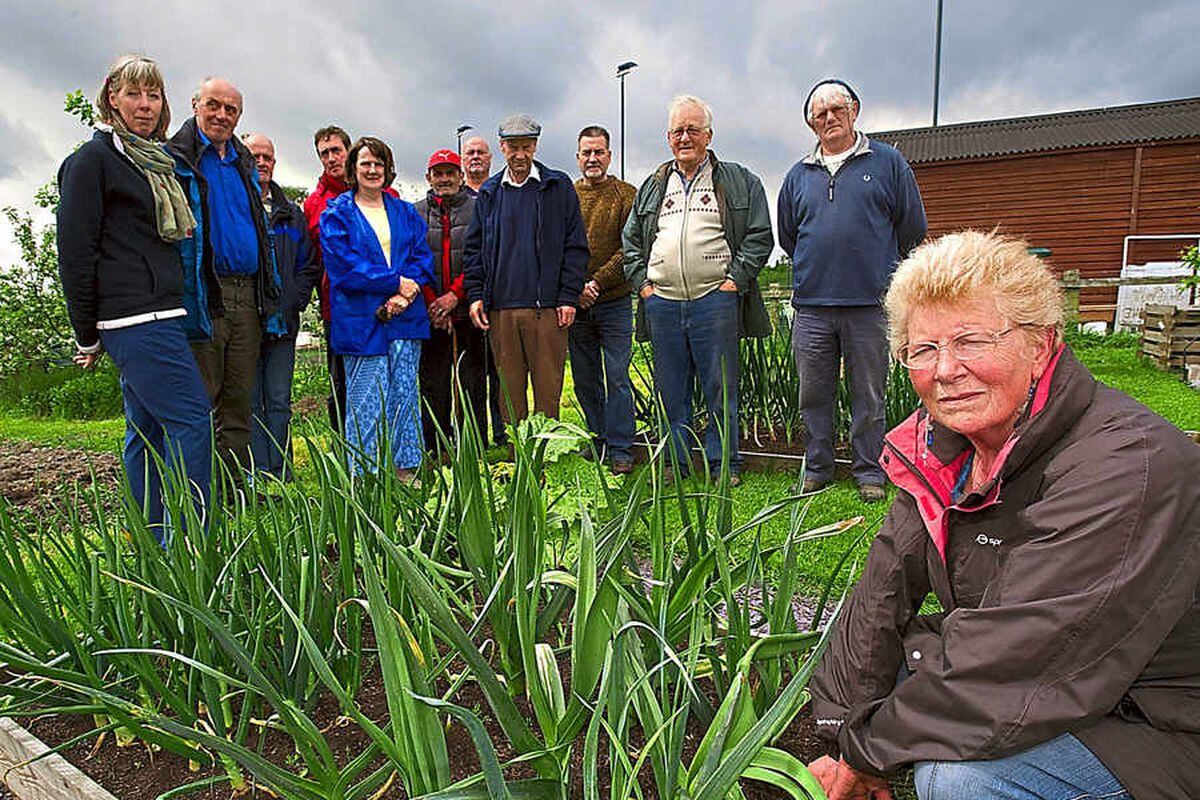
<point x="524" y="262"/>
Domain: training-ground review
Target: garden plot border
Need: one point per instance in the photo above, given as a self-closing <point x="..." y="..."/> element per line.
<point x="49" y="778"/>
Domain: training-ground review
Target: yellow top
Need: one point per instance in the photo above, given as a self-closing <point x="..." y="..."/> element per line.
<point x="379" y="222"/>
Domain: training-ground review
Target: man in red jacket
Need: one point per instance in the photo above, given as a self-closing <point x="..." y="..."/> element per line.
<point x="332" y="144"/>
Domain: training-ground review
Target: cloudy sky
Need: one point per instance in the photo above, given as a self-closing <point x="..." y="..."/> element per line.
<point x="412" y="72"/>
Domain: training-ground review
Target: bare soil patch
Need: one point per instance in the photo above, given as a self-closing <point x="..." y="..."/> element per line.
<point x="39" y="478"/>
<point x="138" y="773"/>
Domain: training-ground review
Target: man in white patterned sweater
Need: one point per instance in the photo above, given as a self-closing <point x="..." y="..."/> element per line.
<point x="698" y="236"/>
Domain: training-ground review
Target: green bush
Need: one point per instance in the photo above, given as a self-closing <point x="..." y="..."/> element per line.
<point x="310" y="377"/>
<point x="779" y="271"/>
<point x="89" y="395"/>
<point x="64" y="392"/>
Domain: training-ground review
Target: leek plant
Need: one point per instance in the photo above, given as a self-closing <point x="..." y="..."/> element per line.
<point x="626" y="625"/>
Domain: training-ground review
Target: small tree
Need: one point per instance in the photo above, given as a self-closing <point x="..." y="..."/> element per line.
<point x="35" y="331"/>
<point x="1191" y="257"/>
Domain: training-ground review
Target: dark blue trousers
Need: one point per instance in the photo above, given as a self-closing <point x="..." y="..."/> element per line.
<point x="697" y="339"/>
<point x="167" y="412"/>
<point x="599" y="343"/>
<point x="823" y="338"/>
<point x="270" y="430"/>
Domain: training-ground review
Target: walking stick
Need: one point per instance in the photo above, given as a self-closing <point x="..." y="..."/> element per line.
<point x="454" y="373"/>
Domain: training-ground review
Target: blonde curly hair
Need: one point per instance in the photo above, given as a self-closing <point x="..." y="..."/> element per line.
<point x="972" y="265"/>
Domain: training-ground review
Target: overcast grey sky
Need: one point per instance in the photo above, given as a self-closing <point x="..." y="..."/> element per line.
<point x="411" y="72"/>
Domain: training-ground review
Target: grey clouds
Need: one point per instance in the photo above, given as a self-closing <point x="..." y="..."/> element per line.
<point x="412" y="72"/>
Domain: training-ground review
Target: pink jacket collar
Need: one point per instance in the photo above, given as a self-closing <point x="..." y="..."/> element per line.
<point x="925" y="461"/>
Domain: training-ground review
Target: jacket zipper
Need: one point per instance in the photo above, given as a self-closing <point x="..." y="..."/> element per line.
<point x="444" y="214"/>
<point x="537" y="247"/>
<point x="687" y="207"/>
<point x="912" y="468"/>
<point x="844" y="163"/>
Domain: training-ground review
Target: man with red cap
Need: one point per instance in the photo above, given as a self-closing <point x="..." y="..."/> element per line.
<point x="454" y="341"/>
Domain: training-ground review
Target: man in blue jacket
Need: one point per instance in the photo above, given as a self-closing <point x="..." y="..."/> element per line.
<point x="235" y="299"/>
<point x="299" y="270"/>
<point x="524" y="262"/>
<point x="848" y="213"/>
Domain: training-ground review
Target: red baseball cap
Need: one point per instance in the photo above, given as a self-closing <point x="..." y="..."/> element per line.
<point x="444" y="157"/>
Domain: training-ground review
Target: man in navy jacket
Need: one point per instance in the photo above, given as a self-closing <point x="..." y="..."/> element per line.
<point x="299" y="270"/>
<point x="848" y="213"/>
<point x="523" y="263"/>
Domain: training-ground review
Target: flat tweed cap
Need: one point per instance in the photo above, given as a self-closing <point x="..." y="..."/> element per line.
<point x="520" y="126"/>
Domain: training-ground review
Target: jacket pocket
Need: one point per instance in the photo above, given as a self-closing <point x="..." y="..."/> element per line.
<point x="152" y="276"/>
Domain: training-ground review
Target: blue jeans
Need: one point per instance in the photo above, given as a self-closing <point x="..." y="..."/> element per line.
<point x="690" y="339"/>
<point x="382" y="393"/>
<point x="167" y="412"/>
<point x="823" y="337"/>
<point x="1060" y="769"/>
<point x="599" y="343"/>
<point x="270" y="437"/>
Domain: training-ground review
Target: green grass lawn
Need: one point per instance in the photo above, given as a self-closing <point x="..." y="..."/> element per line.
<point x="103" y="435"/>
<point x="1113" y="360"/>
<point x="1122" y="368"/>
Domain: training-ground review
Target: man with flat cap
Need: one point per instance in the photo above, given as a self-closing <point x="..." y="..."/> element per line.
<point x="524" y="261"/>
<point x="848" y="213"/>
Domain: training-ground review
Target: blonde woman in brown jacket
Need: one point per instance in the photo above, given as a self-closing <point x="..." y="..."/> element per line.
<point x="1058" y="523"/>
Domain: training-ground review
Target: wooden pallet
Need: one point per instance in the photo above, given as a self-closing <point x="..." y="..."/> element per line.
<point x="1171" y="336"/>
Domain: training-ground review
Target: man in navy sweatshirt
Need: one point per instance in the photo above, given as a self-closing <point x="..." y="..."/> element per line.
<point x="524" y="262"/>
<point x="848" y="213"/>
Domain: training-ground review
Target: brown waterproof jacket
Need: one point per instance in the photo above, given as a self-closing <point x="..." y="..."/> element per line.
<point x="1070" y="583"/>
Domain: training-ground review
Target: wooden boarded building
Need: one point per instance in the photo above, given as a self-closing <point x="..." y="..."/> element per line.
<point x="1077" y="182"/>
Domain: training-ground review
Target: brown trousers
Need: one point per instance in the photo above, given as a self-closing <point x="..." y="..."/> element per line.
<point x="228" y="363"/>
<point x="528" y="343"/>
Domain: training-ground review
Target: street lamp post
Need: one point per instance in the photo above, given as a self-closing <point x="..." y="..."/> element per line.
<point x="623" y="70"/>
<point x="461" y="130"/>
<point x="937" y="65"/>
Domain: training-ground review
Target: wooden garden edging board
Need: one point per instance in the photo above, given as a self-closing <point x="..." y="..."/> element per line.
<point x="50" y="778"/>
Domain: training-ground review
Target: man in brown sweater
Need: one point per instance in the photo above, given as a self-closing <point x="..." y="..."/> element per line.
<point x="600" y="340"/>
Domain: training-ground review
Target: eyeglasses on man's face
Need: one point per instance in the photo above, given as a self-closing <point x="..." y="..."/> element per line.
<point x="676" y="134"/>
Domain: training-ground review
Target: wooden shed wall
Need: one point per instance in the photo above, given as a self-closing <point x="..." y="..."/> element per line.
<point x="1079" y="203"/>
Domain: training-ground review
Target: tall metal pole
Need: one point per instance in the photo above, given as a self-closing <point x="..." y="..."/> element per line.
<point x="622" y="127"/>
<point x="461" y="130"/>
<point x="937" y="65"/>
<point x="623" y="70"/>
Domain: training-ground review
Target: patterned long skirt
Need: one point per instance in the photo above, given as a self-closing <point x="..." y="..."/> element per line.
<point x="384" y="398"/>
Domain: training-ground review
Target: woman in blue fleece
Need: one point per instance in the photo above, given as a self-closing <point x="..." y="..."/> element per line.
<point x="376" y="258"/>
